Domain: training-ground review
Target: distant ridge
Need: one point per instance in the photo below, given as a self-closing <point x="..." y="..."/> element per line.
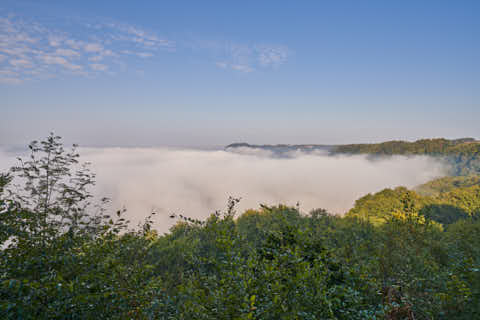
<point x="462" y="154"/>
<point x="421" y="146"/>
<point x="438" y="146"/>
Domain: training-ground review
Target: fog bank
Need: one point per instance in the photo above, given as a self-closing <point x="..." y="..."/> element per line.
<point x="195" y="183"/>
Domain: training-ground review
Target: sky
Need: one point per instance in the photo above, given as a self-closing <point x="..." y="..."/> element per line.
<point x="209" y="73"/>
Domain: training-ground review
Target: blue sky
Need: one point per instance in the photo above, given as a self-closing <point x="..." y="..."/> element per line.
<point x="208" y="73"/>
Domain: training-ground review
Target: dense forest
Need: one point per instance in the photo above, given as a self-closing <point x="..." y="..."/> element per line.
<point x="397" y="254"/>
<point x="462" y="154"/>
<point x="440" y="200"/>
<point x="425" y="146"/>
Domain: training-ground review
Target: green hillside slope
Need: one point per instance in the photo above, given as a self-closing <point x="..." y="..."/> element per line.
<point x="462" y="154"/>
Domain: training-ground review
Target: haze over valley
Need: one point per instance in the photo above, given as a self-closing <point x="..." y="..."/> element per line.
<point x="196" y="183"/>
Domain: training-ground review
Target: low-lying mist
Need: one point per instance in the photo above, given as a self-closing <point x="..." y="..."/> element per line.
<point x="195" y="183"/>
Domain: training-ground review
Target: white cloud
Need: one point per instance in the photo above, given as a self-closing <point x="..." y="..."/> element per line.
<point x="36" y="52"/>
<point x="272" y="55"/>
<point x="108" y="53"/>
<point x="55" y="41"/>
<point x="93" y="47"/>
<point x="145" y="54"/>
<point x="75" y="44"/>
<point x="67" y="53"/>
<point x="242" y="68"/>
<point x="247" y="58"/>
<point x="21" y="63"/>
<point x="30" y="50"/>
<point x="98" y="67"/>
<point x="61" y="61"/>
<point x="95" y="58"/>
<point x="139" y="37"/>
<point x="17" y="53"/>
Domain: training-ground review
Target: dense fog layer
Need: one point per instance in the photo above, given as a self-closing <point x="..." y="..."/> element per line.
<point x="196" y="182"/>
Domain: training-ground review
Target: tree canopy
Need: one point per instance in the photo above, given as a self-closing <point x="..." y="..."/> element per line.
<point x="396" y="255"/>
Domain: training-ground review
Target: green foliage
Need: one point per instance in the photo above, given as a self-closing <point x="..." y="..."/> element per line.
<point x="445" y="208"/>
<point x="396" y="255"/>
<point x="45" y="227"/>
<point x="445" y="184"/>
<point x="467" y="199"/>
<point x="380" y="207"/>
<point x="425" y="146"/>
<point x="462" y="284"/>
<point x="462" y="154"/>
<point x="52" y="189"/>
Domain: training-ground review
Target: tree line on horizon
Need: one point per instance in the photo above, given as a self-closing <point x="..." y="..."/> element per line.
<point x="463" y="155"/>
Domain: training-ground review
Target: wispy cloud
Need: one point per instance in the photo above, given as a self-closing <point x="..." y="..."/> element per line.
<point x="19" y="63"/>
<point x="141" y="38"/>
<point x="31" y="51"/>
<point x="98" y="67"/>
<point x="67" y="53"/>
<point x="248" y="58"/>
<point x="56" y="60"/>
<point x="241" y="67"/>
<point x="93" y="47"/>
<point x="145" y="54"/>
<point x="271" y="56"/>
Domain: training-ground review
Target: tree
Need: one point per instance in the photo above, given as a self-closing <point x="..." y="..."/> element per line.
<point x="54" y="238"/>
<point x="52" y="190"/>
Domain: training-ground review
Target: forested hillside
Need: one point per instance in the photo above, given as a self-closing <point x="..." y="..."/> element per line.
<point x="424" y="146"/>
<point x="445" y="184"/>
<point x="462" y="154"/>
<point x="396" y="255"/>
<point x="444" y="207"/>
